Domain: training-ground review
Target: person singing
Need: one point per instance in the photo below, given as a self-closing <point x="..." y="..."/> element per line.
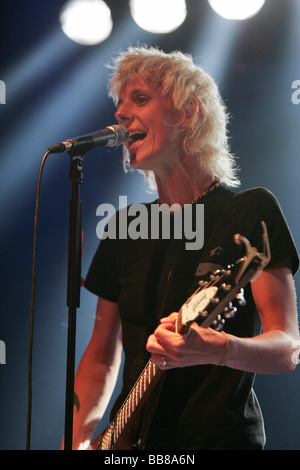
<point x="177" y="125"/>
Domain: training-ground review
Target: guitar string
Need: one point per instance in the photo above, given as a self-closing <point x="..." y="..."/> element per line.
<point x="111" y="428"/>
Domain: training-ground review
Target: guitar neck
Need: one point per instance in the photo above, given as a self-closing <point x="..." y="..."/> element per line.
<point x="133" y="403"/>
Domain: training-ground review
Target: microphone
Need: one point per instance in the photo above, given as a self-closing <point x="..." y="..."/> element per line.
<point x="111" y="136"/>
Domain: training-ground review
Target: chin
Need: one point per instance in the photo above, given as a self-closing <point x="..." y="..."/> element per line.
<point x="140" y="164"/>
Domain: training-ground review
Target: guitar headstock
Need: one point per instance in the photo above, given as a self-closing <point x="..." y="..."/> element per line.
<point x="211" y="304"/>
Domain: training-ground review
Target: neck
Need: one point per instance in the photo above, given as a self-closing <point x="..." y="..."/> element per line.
<point x="183" y="185"/>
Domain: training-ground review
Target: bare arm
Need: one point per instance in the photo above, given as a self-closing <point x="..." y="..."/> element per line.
<point x="97" y="373"/>
<point x="271" y="352"/>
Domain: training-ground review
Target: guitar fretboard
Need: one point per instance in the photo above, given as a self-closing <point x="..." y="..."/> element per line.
<point x="117" y="426"/>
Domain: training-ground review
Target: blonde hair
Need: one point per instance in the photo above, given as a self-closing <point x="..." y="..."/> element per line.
<point x="193" y="93"/>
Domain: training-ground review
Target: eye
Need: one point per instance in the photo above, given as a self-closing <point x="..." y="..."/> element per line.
<point x="141" y="99"/>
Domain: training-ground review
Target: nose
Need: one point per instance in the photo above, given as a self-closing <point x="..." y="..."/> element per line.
<point x="123" y="114"/>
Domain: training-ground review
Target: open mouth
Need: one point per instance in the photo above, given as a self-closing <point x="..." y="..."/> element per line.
<point x="136" y="136"/>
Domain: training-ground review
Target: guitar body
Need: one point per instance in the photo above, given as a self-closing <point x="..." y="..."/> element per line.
<point x="207" y="306"/>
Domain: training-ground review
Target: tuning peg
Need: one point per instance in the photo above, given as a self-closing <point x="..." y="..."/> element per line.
<point x="230" y="311"/>
<point x="203" y="314"/>
<point x="226" y="287"/>
<point x="218" y="323"/>
<point x="202" y="283"/>
<point x="241" y="298"/>
<point x="218" y="271"/>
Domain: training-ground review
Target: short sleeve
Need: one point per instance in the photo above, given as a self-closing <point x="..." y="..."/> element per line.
<point x="259" y="204"/>
<point x="102" y="277"/>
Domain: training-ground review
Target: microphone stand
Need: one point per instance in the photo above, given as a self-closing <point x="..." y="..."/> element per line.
<point x="73" y="288"/>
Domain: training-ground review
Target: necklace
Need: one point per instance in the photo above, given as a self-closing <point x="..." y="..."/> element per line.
<point x="210" y="188"/>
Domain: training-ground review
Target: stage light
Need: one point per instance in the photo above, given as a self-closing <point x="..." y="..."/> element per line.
<point x="86" y="22"/>
<point x="236" y="9"/>
<point x="158" y="16"/>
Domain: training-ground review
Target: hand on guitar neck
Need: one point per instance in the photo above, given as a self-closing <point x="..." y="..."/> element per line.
<point x="198" y="345"/>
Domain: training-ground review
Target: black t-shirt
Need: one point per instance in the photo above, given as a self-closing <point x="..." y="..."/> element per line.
<point x="199" y="407"/>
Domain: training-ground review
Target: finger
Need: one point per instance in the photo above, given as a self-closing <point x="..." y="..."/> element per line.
<point x="170" y="318"/>
<point x="154" y="347"/>
<point x="166" y="334"/>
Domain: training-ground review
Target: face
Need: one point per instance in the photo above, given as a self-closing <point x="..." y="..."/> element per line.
<point x="154" y="142"/>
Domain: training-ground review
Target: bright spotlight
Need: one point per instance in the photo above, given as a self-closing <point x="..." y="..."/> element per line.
<point x="158" y="16"/>
<point x="86" y="22"/>
<point x="236" y="9"/>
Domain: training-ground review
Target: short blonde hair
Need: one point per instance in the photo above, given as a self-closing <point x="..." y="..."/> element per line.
<point x="193" y="93"/>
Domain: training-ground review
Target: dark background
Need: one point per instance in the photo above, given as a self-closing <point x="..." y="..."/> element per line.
<point x="56" y="89"/>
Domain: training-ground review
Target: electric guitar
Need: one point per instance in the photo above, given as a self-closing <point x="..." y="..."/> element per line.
<point x="210" y="305"/>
